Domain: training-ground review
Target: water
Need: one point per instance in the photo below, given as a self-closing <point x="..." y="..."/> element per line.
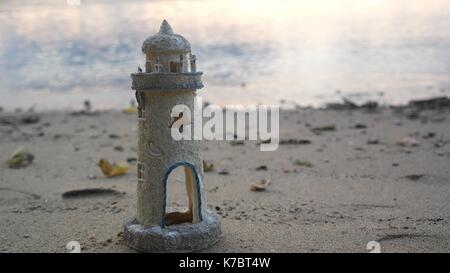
<point x="55" y="55"/>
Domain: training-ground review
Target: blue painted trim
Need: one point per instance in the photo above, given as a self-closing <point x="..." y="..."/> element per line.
<point x="197" y="180"/>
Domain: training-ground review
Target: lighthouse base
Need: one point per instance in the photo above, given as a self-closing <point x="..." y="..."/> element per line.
<point x="186" y="237"/>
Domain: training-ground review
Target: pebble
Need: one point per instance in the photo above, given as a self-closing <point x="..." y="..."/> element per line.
<point x="222" y="171"/>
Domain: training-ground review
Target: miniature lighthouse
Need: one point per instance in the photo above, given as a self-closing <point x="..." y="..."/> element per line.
<point x="170" y="79"/>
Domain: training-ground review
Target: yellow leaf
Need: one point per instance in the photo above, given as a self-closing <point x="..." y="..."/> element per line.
<point x="207" y="167"/>
<point x="114" y="169"/>
<point x="130" y="110"/>
<point x="20" y="158"/>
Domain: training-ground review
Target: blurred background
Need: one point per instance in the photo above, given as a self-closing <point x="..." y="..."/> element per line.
<point x="54" y="54"/>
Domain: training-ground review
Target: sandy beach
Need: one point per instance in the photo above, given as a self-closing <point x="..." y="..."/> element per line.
<point x="339" y="179"/>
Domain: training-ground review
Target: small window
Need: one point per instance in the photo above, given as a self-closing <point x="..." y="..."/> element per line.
<point x="158" y="68"/>
<point x="148" y="67"/>
<point x="175" y="67"/>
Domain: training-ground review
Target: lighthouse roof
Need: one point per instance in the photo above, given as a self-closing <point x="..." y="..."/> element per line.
<point x="166" y="41"/>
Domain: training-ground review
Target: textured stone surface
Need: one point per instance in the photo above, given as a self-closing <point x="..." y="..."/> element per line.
<point x="166" y="41"/>
<point x="185" y="237"/>
<point x="165" y="81"/>
<point x="158" y="153"/>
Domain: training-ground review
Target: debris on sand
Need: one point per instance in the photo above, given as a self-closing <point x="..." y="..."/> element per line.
<point x="114" y="169"/>
<point x="222" y="171"/>
<point x="441" y="143"/>
<point x="20" y="158"/>
<point x="370" y="106"/>
<point x="7" y="121"/>
<point x="413" y="109"/>
<point x="113" y="136"/>
<point x="359" y="126"/>
<point x="345" y="105"/>
<point x="429" y="135"/>
<point x="119" y="148"/>
<point x="411" y="113"/>
<point x="207" y="167"/>
<point x="292" y="141"/>
<point x="373" y="141"/>
<point x="15" y="121"/>
<point x="348" y="104"/>
<point x="326" y="128"/>
<point x="303" y="163"/>
<point x="131" y="159"/>
<point x="261" y="168"/>
<point x="391" y="237"/>
<point x="237" y="142"/>
<point x="30" y="119"/>
<point x="430" y="104"/>
<point x="260" y="186"/>
<point x="414" y="177"/>
<point x="87" y="111"/>
<point x="90" y="192"/>
<point x="408" y="141"/>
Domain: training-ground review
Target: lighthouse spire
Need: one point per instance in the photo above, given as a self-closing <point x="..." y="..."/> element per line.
<point x="165" y="28"/>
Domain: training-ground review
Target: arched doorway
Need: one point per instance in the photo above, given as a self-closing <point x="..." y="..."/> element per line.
<point x="192" y="181"/>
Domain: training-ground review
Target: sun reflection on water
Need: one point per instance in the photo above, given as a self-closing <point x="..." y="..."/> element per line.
<point x="56" y="55"/>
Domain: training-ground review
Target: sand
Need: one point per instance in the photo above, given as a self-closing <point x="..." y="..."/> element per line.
<point x="347" y="187"/>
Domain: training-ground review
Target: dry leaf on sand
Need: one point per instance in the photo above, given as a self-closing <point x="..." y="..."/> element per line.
<point x="207" y="167"/>
<point x="261" y="186"/>
<point x="20" y="158"/>
<point x="408" y="141"/>
<point x="130" y="110"/>
<point x="114" y="169"/>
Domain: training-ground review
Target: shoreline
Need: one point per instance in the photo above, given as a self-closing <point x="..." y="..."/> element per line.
<point x="340" y="103"/>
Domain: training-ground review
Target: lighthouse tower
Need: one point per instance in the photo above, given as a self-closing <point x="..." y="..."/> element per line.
<point x="170" y="79"/>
